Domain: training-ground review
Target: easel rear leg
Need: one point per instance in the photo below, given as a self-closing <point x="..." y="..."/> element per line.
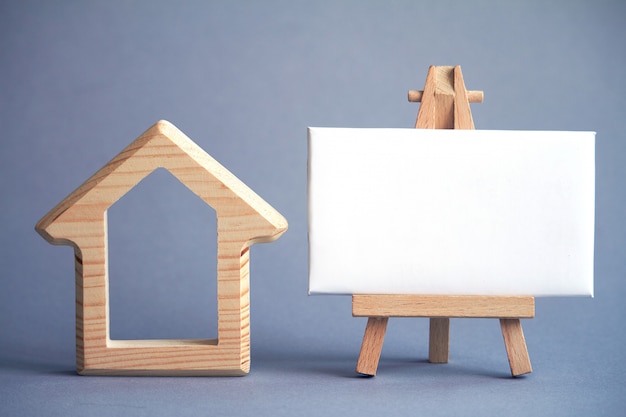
<point x="439" y="345"/>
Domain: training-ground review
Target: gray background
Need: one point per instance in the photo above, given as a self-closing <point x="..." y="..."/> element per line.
<point x="79" y="80"/>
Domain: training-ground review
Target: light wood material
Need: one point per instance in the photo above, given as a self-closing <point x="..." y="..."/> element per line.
<point x="243" y="218"/>
<point x="515" y="344"/>
<point x="476" y="306"/>
<point x="444" y="102"/>
<point x="372" y="345"/>
<point x="445" y="105"/>
<point x="415" y="96"/>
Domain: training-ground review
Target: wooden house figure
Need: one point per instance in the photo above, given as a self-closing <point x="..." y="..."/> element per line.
<point x="243" y="218"/>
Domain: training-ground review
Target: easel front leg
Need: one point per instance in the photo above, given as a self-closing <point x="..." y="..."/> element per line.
<point x="439" y="345"/>
<point x="372" y="345"/>
<point x="515" y="344"/>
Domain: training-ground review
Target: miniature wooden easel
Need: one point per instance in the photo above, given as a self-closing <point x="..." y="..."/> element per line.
<point x="444" y="105"/>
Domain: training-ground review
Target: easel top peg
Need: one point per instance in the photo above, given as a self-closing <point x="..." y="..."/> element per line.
<point x="445" y="80"/>
<point x="474" y="96"/>
<point x="444" y="100"/>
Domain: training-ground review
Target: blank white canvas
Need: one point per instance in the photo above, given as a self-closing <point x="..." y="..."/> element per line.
<point x="450" y="212"/>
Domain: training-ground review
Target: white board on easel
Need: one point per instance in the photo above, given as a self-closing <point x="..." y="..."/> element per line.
<point x="451" y="212"/>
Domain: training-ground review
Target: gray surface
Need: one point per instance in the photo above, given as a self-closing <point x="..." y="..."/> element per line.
<point x="79" y="80"/>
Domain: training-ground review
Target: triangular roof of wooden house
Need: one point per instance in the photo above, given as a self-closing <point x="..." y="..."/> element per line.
<point x="162" y="146"/>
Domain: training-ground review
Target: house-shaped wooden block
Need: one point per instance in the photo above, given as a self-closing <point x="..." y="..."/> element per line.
<point x="243" y="218"/>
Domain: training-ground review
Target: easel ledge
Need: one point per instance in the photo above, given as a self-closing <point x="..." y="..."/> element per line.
<point x="474" y="306"/>
<point x="444" y="105"/>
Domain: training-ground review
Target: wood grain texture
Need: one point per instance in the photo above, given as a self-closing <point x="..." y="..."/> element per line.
<point x="475" y="306"/>
<point x="515" y="344"/>
<point x="462" y="113"/>
<point x="415" y="96"/>
<point x="372" y="345"/>
<point x="444" y="100"/>
<point x="243" y="218"/>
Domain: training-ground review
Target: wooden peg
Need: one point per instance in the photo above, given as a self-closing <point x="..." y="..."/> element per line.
<point x="415" y="96"/>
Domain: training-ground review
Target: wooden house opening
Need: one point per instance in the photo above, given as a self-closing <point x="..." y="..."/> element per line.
<point x="162" y="257"/>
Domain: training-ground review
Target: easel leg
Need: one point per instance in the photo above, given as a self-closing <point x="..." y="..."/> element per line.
<point x="372" y="345"/>
<point x="439" y="345"/>
<point x="515" y="344"/>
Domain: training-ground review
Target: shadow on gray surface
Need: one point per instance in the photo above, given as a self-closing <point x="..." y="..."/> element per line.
<point x="343" y="366"/>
